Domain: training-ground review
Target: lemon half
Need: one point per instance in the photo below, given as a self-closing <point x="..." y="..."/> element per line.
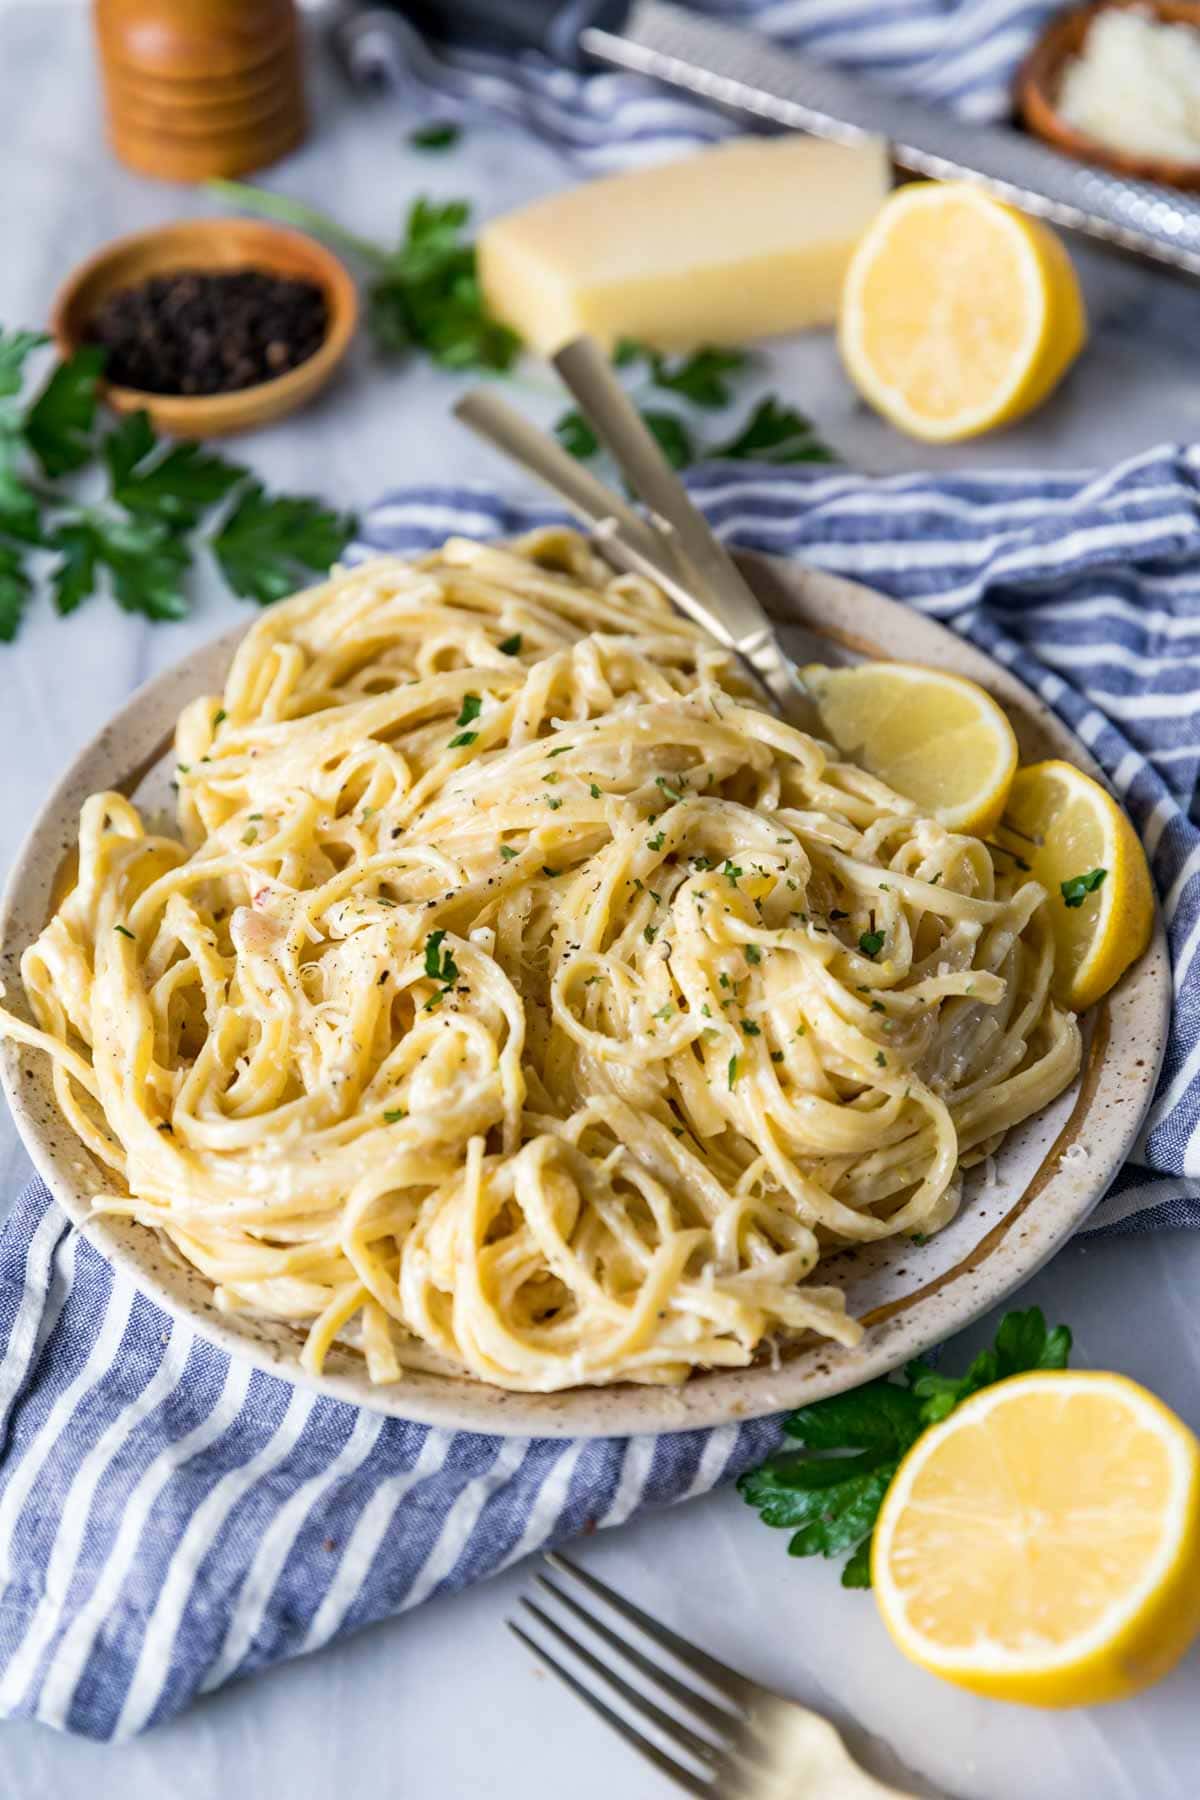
<point x="1043" y="1544"/>
<point x="958" y="313"/>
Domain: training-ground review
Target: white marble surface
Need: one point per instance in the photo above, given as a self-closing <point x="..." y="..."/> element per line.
<point x="442" y="1702"/>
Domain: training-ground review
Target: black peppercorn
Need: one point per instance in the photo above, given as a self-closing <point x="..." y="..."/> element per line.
<point x="195" y="332"/>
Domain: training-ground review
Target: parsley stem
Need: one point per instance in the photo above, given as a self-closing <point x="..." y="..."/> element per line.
<point x="295" y="212"/>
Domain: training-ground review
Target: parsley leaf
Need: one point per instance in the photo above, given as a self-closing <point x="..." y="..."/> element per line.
<point x="58" y="426"/>
<point x="871" y="942"/>
<point x="576" y="435"/>
<point x="511" y="645"/>
<point x="177" y="487"/>
<point x="427" y="295"/>
<point x="145" y="561"/>
<point x="672" y="437"/>
<point x="701" y="377"/>
<point x="268" y="545"/>
<point x="507" y="852"/>
<point x="15" y="589"/>
<point x="15" y="350"/>
<point x="628" y="351"/>
<point x="441" y="135"/>
<point x="732" y="1071"/>
<point x="828" y="1493"/>
<point x="462" y="740"/>
<point x="773" y="433"/>
<point x="74" y="578"/>
<point x="1076" y="889"/>
<point x="472" y="706"/>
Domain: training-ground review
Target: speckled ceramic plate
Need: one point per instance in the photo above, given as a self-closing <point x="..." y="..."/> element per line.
<point x="909" y="1296"/>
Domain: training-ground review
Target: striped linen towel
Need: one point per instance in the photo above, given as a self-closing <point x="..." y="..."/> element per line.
<point x="962" y="54"/>
<point x="170" y="1519"/>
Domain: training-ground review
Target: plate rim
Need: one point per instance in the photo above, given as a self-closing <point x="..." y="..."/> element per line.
<point x="1050" y="1208"/>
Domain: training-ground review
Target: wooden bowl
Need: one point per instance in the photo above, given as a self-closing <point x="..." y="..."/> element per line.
<point x="1040" y="77"/>
<point x="212" y="244"/>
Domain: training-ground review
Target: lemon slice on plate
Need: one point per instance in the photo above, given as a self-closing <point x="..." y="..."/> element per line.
<point x="958" y="313"/>
<point x="1043" y="1544"/>
<point x="1081" y="847"/>
<point x="936" y="738"/>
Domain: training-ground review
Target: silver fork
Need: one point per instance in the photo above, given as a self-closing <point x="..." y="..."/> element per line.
<point x="734" y="1741"/>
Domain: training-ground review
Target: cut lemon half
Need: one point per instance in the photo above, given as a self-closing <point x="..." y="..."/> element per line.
<point x="958" y="313"/>
<point x="1070" y="830"/>
<point x="1043" y="1544"/>
<point x="936" y="738"/>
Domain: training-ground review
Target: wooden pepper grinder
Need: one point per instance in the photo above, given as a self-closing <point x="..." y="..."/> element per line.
<point x="197" y="88"/>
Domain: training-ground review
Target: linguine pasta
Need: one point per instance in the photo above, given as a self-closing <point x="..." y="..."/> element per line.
<point x="516" y="997"/>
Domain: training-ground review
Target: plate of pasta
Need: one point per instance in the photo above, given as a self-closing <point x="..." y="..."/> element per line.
<point x="460" y="993"/>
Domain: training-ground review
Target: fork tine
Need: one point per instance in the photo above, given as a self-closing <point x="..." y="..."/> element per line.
<point x="727" y="1681"/>
<point x="673" y="1728"/>
<point x="683" y="1778"/>
<point x="716" y="1717"/>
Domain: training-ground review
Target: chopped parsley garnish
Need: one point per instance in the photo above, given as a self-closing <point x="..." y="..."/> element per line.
<point x="750" y="1028"/>
<point x="440" y="964"/>
<point x="657" y="841"/>
<point x="650" y="932"/>
<point x="463" y="739"/>
<point x="219" y="717"/>
<point x="733" y="1070"/>
<point x="553" y="804"/>
<point x="394" y="1116"/>
<point x="660" y="781"/>
<point x="881" y="1059"/>
<point x="1076" y="890"/>
<point x="593" y="790"/>
<point x="507" y="852"/>
<point x="472" y="706"/>
<point x="665" y="1012"/>
<point x="549" y="872"/>
<point x="552" y="777"/>
<point x="871" y="942"/>
<point x="700" y="862"/>
<point x="438" y="136"/>
<point x="511" y="646"/>
<point x="561" y="751"/>
<point x="124" y="931"/>
<point x="723" y="979"/>
<point x="753" y="953"/>
<point x="731" y="872"/>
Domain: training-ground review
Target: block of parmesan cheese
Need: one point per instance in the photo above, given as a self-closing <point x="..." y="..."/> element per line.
<point x="737" y="242"/>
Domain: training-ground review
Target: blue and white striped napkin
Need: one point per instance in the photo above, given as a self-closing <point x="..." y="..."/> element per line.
<point x="171" y="1519"/>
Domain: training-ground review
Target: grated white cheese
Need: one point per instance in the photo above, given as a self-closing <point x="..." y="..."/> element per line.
<point x="1136" y="86"/>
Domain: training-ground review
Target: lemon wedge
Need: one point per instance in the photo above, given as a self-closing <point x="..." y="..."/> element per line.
<point x="1043" y="1544"/>
<point x="936" y="738"/>
<point x="958" y="313"/>
<point x="1081" y="847"/>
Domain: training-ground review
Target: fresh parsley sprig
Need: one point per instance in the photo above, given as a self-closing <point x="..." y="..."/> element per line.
<point x="829" y="1492"/>
<point x="140" y="535"/>
<point x="773" y="432"/>
<point x="424" y="295"/>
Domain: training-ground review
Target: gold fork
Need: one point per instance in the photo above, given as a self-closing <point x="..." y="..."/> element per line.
<point x="736" y="1741"/>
